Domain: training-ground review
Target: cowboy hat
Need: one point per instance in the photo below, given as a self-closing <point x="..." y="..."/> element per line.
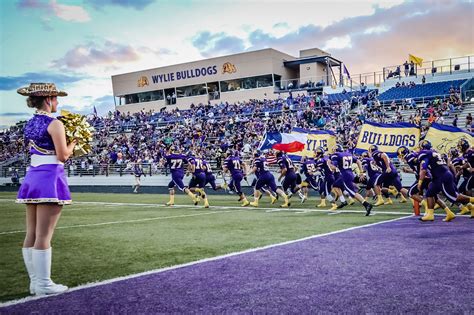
<point x="41" y="89"/>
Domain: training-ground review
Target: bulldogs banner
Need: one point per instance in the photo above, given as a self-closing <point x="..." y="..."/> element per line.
<point x="444" y="137"/>
<point x="388" y="137"/>
<point x="300" y="142"/>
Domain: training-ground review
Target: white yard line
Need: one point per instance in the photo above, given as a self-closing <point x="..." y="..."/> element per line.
<point x="276" y="209"/>
<point x="229" y="208"/>
<point x="95" y="284"/>
<point x="128" y="221"/>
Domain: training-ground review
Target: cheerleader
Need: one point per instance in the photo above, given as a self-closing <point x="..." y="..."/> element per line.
<point x="44" y="189"/>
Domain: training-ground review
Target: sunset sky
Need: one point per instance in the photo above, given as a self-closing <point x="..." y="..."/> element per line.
<point x="80" y="44"/>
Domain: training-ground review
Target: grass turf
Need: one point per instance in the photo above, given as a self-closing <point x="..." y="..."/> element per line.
<point x="103" y="236"/>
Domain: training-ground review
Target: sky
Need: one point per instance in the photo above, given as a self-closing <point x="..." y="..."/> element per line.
<point x="79" y="45"/>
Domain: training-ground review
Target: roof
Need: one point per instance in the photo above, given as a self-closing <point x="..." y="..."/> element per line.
<point x="321" y="59"/>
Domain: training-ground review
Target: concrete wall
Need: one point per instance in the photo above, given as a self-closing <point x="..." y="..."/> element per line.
<point x="246" y="65"/>
<point x="155" y="180"/>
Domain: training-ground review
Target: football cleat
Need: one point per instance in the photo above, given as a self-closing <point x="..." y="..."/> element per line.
<point x="303" y="199"/>
<point x="379" y="202"/>
<point x="368" y="209"/>
<point x="449" y="216"/>
<point x="342" y="205"/>
<point x="464" y="210"/>
<point x="429" y="216"/>
<point x="253" y="203"/>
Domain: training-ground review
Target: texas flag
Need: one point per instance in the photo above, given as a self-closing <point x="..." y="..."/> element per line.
<point x="286" y="142"/>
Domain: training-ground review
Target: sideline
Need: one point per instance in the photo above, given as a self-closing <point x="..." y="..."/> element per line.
<point x="155" y="271"/>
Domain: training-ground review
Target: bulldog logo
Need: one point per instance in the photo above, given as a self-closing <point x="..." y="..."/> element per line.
<point x="143" y="81"/>
<point x="228" y="68"/>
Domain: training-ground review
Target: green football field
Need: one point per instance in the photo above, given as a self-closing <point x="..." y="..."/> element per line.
<point x="104" y="236"/>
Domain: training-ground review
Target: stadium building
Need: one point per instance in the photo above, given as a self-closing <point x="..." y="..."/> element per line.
<point x="250" y="75"/>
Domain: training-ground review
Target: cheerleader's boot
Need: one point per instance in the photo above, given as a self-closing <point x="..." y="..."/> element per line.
<point x="27" y="253"/>
<point x="42" y="266"/>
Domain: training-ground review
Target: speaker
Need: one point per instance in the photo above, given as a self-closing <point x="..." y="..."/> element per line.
<point x="457" y="67"/>
<point x="434" y="70"/>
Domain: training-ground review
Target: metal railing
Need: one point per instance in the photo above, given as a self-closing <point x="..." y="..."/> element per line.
<point x="98" y="169"/>
<point x="376" y="78"/>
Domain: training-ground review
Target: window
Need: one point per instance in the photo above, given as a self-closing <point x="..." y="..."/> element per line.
<point x="213" y="90"/>
<point x="191" y="90"/>
<point x="142" y="97"/>
<point x="247" y="83"/>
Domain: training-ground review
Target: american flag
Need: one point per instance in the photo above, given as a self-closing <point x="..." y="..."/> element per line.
<point x="271" y="158"/>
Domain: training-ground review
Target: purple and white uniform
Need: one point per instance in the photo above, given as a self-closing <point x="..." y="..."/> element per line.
<point x="443" y="179"/>
<point x="309" y="170"/>
<point x="325" y="186"/>
<point x="264" y="177"/>
<point x="386" y="179"/>
<point x="176" y="164"/>
<point x="413" y="162"/>
<point x="235" y="167"/>
<point x="45" y="181"/>
<point x="199" y="174"/>
<point x="468" y="182"/>
<point x="210" y="178"/>
<point x="289" y="181"/>
<point x="373" y="171"/>
<point x="138" y="170"/>
<point x="343" y="161"/>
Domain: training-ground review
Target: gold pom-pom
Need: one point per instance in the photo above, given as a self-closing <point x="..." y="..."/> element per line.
<point x="78" y="128"/>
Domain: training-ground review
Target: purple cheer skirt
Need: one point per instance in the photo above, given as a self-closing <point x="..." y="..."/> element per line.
<point x="45" y="184"/>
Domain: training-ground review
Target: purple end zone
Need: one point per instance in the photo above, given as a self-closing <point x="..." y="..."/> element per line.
<point x="404" y="266"/>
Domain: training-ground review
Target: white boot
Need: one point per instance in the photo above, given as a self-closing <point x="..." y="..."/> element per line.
<point x="42" y="267"/>
<point x="27" y="252"/>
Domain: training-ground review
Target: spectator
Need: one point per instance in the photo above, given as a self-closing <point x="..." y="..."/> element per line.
<point x="407" y="68"/>
<point x="412" y="68"/>
<point x="423" y="80"/>
<point x="397" y="72"/>
<point x="469" y="120"/>
<point x="455" y="120"/>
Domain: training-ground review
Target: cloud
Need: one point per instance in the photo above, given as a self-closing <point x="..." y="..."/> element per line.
<point x="111" y="56"/>
<point x="103" y="105"/>
<point x="338" y="43"/>
<point x="217" y="44"/>
<point x="72" y="13"/>
<point x="431" y="33"/>
<point x="91" y="54"/>
<point x="15" y="82"/>
<point x="136" y="4"/>
<point x="14" y="114"/>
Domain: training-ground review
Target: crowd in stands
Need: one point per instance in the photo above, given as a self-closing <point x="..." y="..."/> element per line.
<point x="123" y="137"/>
<point x="409" y="70"/>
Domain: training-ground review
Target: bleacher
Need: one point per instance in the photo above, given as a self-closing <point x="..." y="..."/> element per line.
<point x="426" y="91"/>
<point x="336" y="98"/>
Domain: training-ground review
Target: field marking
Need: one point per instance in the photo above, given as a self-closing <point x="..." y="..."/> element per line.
<point x="229" y="208"/>
<point x="127" y="221"/>
<point x="298" y="210"/>
<point x="161" y="270"/>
